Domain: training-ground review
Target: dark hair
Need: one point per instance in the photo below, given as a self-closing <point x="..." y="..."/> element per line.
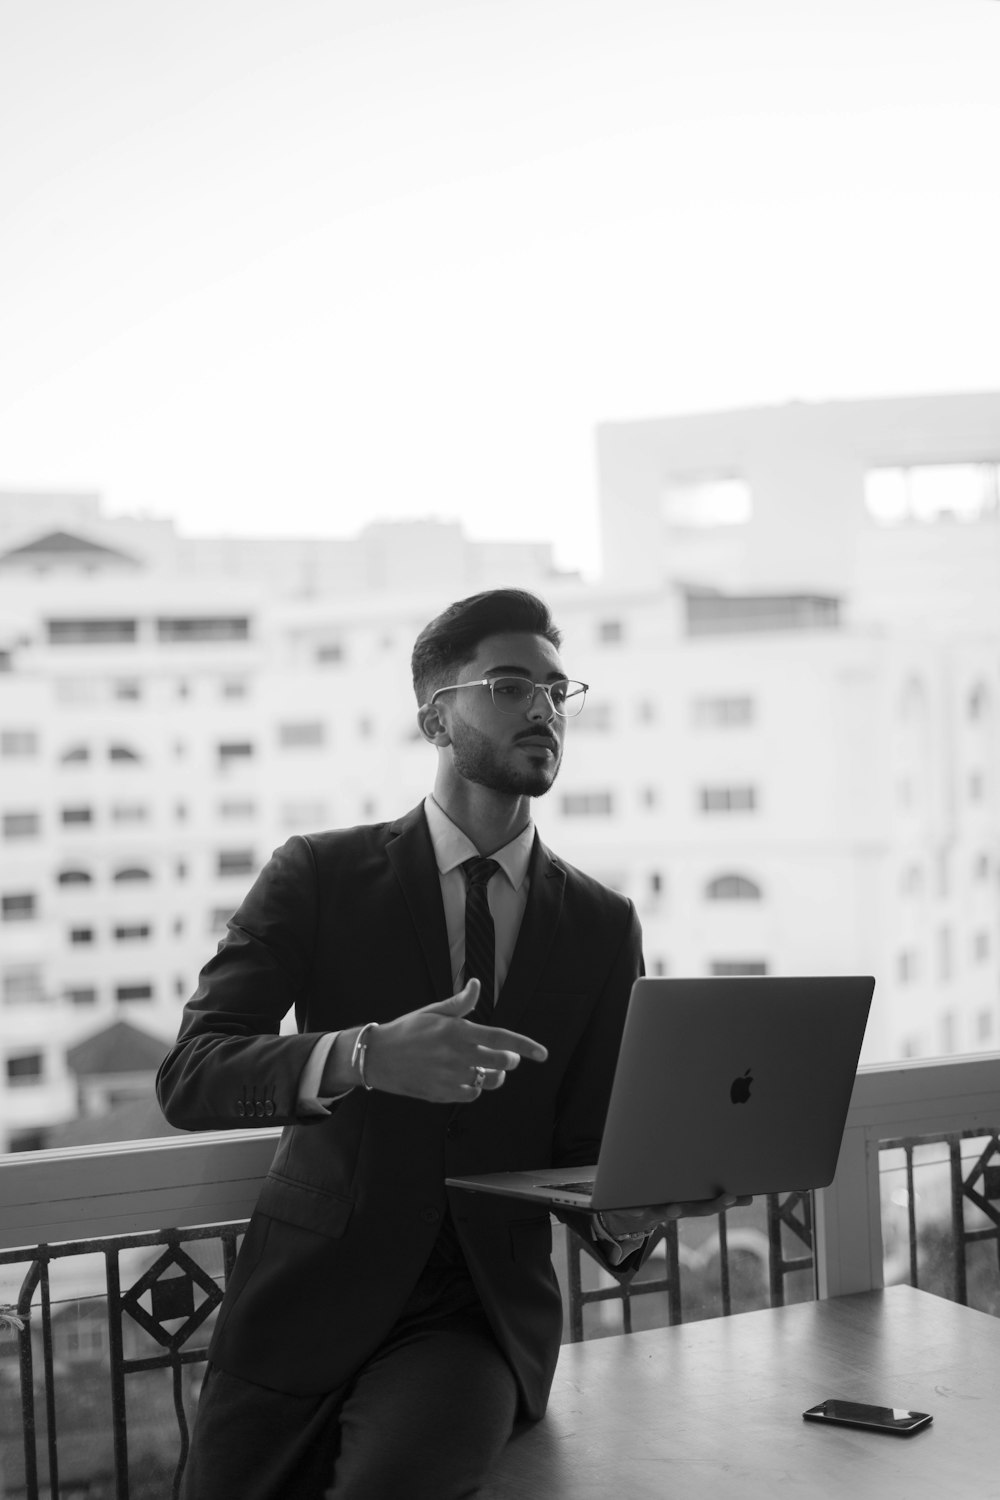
<point x="450" y="640"/>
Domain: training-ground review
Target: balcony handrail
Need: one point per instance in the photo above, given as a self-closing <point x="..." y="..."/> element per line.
<point x="80" y="1192"/>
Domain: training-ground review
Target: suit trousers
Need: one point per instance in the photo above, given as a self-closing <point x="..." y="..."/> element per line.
<point x="425" y="1418"/>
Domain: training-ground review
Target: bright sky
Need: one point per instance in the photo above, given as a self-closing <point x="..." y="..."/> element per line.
<point x="286" y="266"/>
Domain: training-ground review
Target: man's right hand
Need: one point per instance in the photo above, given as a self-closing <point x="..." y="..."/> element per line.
<point x="433" y="1053"/>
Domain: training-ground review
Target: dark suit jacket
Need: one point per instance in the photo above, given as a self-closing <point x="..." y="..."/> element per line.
<point x="348" y="927"/>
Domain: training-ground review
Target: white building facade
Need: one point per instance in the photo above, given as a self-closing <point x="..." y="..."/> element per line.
<point x="785" y="781"/>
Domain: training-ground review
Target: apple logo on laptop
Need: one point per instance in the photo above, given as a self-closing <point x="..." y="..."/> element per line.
<point x="739" y="1091"/>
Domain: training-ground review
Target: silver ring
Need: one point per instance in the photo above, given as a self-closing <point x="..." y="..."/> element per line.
<point x="480" y="1077"/>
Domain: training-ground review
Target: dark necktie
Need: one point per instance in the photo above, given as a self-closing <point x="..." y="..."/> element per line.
<point x="480" y="939"/>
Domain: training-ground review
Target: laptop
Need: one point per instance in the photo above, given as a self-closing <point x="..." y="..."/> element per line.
<point x="737" y="1085"/>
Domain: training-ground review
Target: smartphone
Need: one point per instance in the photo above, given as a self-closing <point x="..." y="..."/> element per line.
<point x="873" y="1418"/>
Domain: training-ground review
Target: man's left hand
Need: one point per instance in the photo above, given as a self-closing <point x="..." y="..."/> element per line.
<point x="644" y="1220"/>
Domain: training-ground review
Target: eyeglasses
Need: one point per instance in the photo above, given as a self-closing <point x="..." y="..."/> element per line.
<point x="515" y="695"/>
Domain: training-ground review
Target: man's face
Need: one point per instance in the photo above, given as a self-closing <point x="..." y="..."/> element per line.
<point x="520" y="753"/>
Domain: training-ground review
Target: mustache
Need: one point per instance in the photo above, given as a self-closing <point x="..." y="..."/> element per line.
<point x="539" y="734"/>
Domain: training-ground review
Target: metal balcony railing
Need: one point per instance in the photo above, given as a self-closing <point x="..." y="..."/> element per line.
<point x="113" y="1261"/>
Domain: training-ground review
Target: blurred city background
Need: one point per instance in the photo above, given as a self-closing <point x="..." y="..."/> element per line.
<point x="318" y="318"/>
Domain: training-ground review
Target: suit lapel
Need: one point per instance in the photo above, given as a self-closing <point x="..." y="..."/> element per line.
<point x="411" y="855"/>
<point x="538" y="929"/>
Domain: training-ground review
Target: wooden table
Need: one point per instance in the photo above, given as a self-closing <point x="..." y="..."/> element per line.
<point x="714" y="1409"/>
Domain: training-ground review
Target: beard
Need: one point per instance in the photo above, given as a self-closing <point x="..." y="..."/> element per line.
<point x="476" y="759"/>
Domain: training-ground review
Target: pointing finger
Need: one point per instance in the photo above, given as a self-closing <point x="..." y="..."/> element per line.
<point x="510" y="1041"/>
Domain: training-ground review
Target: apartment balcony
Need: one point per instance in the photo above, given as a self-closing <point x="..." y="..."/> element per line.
<point x="113" y="1260"/>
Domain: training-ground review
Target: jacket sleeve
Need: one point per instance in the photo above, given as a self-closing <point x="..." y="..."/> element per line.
<point x="230" y="1067"/>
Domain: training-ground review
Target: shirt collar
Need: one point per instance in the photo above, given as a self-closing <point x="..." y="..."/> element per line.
<point x="452" y="847"/>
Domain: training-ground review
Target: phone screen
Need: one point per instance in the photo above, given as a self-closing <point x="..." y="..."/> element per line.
<point x="875" y="1418"/>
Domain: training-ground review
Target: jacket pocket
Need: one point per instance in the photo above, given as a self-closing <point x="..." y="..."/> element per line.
<point x="305" y="1206"/>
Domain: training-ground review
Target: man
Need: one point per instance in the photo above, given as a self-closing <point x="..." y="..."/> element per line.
<point x="381" y="1333"/>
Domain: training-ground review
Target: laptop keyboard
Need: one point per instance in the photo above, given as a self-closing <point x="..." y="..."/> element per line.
<point x="576" y="1187"/>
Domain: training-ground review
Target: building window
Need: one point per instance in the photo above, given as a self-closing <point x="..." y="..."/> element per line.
<point x="129" y="812"/>
<point x="944" y="873"/>
<point x="131" y="872"/>
<point x="646" y="711"/>
<point x="587" y="804"/>
<point x="906" y="966"/>
<point x="982" y="867"/>
<point x="23" y="985"/>
<point x="714" y="799"/>
<point x="123" y="753"/>
<point x="658" y="968"/>
<point x="235" y="687"/>
<point x="91" y="632"/>
<point x="83" y="995"/>
<point x="134" y="992"/>
<point x="984" y="1026"/>
<point x="19" y="908"/>
<point x="79" y="935"/>
<point x="302" y="735"/>
<point x="597" y="716"/>
<point x="79" y="690"/>
<point x="74" y="877"/>
<point x="77" y="815"/>
<point x="979" y="701"/>
<point x="330" y="654"/>
<point x="127" y="690"/>
<point x="944" y="949"/>
<point x="304" y="815"/>
<point x="220" y="918"/>
<point x="722" y="712"/>
<point x="610" y="632"/>
<point x="25" y="1070"/>
<point x="926" y="492"/>
<point x="237" y="810"/>
<point x="656" y="883"/>
<point x="21" y="825"/>
<point x="178" y="927"/>
<point x="135" y="932"/>
<point x="981" y="947"/>
<point x="236" y="862"/>
<point x="649" y="797"/>
<point x="733" y="888"/>
<point x="18" y="743"/>
<point x="948" y="1028"/>
<point x="730" y="968"/>
<point x="75" y="755"/>
<point x="231" y="751"/>
<point x="706" y="500"/>
<point x="216" y="628"/>
<point x="911" y="882"/>
<point x="976" y="786"/>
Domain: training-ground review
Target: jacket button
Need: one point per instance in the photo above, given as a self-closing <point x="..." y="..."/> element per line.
<point x="240" y="1108"/>
<point x="430" y="1215"/>
<point x="259" y="1109"/>
<point x="269" y="1108"/>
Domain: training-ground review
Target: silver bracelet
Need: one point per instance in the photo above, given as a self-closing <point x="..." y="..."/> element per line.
<point x="360" y="1049"/>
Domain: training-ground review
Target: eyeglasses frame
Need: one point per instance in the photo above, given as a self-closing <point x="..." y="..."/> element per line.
<point x="546" y="688"/>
